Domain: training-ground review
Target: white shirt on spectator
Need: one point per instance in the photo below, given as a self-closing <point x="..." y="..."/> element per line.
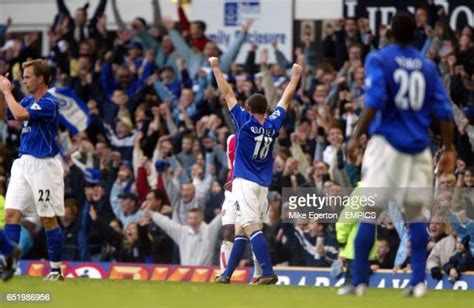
<point x="195" y="247"/>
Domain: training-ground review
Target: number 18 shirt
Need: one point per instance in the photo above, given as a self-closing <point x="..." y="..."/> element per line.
<point x="254" y="153"/>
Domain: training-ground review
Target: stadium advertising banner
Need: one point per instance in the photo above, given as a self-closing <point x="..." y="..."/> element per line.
<point x="272" y="21"/>
<point x="460" y="12"/>
<point x="286" y="275"/>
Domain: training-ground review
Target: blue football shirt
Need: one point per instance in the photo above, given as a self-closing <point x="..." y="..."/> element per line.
<point x="39" y="133"/>
<point x="407" y="92"/>
<point x="254" y="147"/>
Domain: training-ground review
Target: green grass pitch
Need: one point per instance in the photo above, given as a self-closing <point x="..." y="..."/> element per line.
<point x="127" y="293"/>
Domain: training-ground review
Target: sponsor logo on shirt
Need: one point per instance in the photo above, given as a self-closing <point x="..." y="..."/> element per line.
<point x="26" y="128"/>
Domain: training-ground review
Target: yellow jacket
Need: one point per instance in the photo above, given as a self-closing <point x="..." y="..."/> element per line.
<point x="346" y="231"/>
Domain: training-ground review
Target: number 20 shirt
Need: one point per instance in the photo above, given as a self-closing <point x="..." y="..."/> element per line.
<point x="407" y="92"/>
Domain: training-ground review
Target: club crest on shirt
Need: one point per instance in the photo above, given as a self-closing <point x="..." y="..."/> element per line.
<point x="275" y="115"/>
<point x="35" y="106"/>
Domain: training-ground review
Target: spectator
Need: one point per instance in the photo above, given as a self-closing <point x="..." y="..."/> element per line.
<point x="468" y="179"/>
<point x="335" y="139"/>
<point x="95" y="198"/>
<point x="384" y="260"/>
<point x="123" y="139"/>
<point x="70" y="227"/>
<point x="196" y="59"/>
<point x="310" y="244"/>
<point x="437" y="231"/>
<point x="440" y="255"/>
<point x="346" y="35"/>
<point x="446" y="180"/>
<point x="421" y="17"/>
<point x="196" y="239"/>
<point x="161" y="243"/>
<point x="131" y="245"/>
<point x="79" y="29"/>
<point x="386" y="232"/>
<point x="194" y="29"/>
<point x="125" y="207"/>
<point x="461" y="261"/>
<point x="214" y="202"/>
<point x="182" y="200"/>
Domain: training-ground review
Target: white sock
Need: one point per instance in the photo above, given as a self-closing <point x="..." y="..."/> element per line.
<point x="226" y="248"/>
<point x="55" y="266"/>
<point x="257" y="269"/>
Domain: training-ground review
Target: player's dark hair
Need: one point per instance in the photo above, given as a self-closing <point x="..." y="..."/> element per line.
<point x="40" y="68"/>
<point x="403" y="28"/>
<point x="257" y="103"/>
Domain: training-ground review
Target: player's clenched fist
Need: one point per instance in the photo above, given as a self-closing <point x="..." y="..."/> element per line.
<point x="5" y="84"/>
<point x="297" y="70"/>
<point x="214" y="62"/>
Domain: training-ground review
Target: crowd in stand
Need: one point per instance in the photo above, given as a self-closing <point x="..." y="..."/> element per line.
<point x="144" y="181"/>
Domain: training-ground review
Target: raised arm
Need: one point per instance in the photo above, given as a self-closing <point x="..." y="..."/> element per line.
<point x="229" y="56"/>
<point x="173" y="229"/>
<point x="184" y="23"/>
<point x="290" y="90"/>
<point x="118" y="18"/>
<point x="224" y="87"/>
<point x="99" y="11"/>
<point x="157" y="20"/>
<point x="62" y="8"/>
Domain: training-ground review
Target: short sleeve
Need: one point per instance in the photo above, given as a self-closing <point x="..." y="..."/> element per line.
<point x="239" y="115"/>
<point x="10" y="115"/>
<point x="441" y="103"/>
<point x="46" y="108"/>
<point x="23" y="103"/>
<point x="277" y="117"/>
<point x="375" y="86"/>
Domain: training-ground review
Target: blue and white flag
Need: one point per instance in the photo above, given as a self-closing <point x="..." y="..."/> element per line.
<point x="91" y="175"/>
<point x="74" y="113"/>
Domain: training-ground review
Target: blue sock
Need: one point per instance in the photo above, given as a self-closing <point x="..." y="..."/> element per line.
<point x="419" y="240"/>
<point x="54" y="242"/>
<point x="260" y="249"/>
<point x="12" y="232"/>
<point x="236" y="254"/>
<point x="363" y="243"/>
<point x="6" y="246"/>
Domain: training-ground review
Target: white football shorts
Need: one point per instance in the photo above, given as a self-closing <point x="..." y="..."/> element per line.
<point x="252" y="203"/>
<point x="384" y="166"/>
<point x="36" y="186"/>
<point x="229" y="209"/>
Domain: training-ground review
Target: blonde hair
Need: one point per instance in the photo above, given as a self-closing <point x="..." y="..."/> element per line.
<point x="40" y="68"/>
